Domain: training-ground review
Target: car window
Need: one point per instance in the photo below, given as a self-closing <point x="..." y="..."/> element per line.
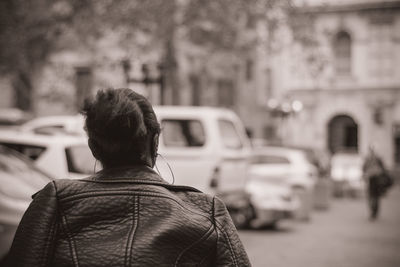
<point x="229" y="135"/>
<point x="18" y="178"/>
<point x="31" y="151"/>
<point x="48" y="130"/>
<point x="80" y="160"/>
<point x="183" y="133"/>
<point x="269" y="159"/>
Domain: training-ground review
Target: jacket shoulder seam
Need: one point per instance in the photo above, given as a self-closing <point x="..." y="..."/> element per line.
<point x="198" y="241"/>
<point x="232" y="253"/>
<point x="50" y="233"/>
<point x="71" y="242"/>
<point x="219" y="226"/>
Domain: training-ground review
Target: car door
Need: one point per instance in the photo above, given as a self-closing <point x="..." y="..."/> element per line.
<point x="185" y="151"/>
<point x="235" y="152"/>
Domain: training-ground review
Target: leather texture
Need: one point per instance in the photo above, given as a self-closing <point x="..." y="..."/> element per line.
<point x="125" y="217"/>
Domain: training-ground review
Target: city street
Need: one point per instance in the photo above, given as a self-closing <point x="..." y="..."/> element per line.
<point x="340" y="237"/>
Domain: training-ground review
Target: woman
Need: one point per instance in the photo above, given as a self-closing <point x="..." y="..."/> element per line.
<point x="126" y="214"/>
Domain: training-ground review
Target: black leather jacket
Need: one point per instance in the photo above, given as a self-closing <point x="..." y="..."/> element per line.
<point x="125" y="217"/>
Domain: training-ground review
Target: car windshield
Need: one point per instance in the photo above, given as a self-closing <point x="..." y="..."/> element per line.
<point x="80" y="160"/>
<point x="18" y="178"/>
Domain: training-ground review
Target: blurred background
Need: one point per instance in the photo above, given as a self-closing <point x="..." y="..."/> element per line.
<point x="319" y="78"/>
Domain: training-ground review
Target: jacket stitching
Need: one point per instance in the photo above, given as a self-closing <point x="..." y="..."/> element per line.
<point x="48" y="242"/>
<point x="127" y="193"/>
<point x="219" y="226"/>
<point x="214" y="230"/>
<point x="135" y="220"/>
<point x="71" y="242"/>
<point x="230" y="246"/>
<point x="50" y="235"/>
<point x="201" y="239"/>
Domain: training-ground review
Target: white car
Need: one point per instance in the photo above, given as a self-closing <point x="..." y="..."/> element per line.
<point x="19" y="180"/>
<point x="70" y="124"/>
<point x="288" y="168"/>
<point x="61" y="156"/>
<point x="347" y="174"/>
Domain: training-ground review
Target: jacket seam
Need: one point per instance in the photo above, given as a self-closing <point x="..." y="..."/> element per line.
<point x="49" y="236"/>
<point x="110" y="192"/>
<point x="135" y="221"/>
<point x="71" y="242"/>
<point x="127" y="193"/>
<point x="216" y="232"/>
<point x="199" y="241"/>
<point x="232" y="253"/>
<point x="230" y="246"/>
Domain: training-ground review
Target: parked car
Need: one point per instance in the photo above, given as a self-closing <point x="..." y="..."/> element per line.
<point x="19" y="180"/>
<point x="281" y="165"/>
<point x="347" y="174"/>
<point x="61" y="156"/>
<point x="13" y="117"/>
<point x="69" y="124"/>
<point x="272" y="198"/>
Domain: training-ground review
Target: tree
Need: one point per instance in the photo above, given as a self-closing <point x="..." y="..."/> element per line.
<point x="30" y="31"/>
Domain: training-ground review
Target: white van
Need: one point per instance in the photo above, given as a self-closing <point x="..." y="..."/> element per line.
<point x="206" y="148"/>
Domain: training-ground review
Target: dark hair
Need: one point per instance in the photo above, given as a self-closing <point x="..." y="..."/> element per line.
<point x="121" y="125"/>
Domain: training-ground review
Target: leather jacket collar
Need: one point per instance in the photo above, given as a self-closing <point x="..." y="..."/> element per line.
<point x="139" y="174"/>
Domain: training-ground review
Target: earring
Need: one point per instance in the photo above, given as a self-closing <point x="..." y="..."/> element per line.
<point x="169" y="167"/>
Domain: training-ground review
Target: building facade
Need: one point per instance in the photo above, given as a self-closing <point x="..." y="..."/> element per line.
<point x="349" y="83"/>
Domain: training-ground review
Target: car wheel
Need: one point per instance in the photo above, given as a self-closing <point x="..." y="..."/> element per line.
<point x="242" y="217"/>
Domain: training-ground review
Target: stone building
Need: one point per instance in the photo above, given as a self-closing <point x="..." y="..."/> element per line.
<point x="348" y="84"/>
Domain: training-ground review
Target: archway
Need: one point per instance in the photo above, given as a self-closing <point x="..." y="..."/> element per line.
<point x="342" y="134"/>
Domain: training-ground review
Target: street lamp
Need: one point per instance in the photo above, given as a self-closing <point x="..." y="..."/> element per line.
<point x="147" y="77"/>
<point x="283" y="110"/>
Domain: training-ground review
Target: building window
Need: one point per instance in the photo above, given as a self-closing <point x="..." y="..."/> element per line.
<point x="268" y="83"/>
<point x="226" y="93"/>
<point x="249" y="69"/>
<point x="196" y="90"/>
<point x="342" y="48"/>
<point x="83" y="84"/>
<point x="381" y="50"/>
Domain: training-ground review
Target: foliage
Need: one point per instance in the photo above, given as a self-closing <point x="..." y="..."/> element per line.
<point x="30" y="31"/>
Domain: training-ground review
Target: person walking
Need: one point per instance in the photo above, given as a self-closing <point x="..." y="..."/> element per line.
<point x="126" y="214"/>
<point x="377" y="180"/>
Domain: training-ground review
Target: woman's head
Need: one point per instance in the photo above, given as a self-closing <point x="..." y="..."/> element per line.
<point x="122" y="128"/>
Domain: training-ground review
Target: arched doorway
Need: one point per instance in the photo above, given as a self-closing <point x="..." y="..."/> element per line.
<point x="342" y="134"/>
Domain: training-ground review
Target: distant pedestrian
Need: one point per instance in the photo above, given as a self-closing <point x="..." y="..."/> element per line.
<point x="126" y="214"/>
<point x="377" y="179"/>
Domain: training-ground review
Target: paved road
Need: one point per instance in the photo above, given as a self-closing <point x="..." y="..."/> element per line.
<point x="340" y="237"/>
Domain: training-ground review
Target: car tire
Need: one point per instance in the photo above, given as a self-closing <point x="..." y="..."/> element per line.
<point x="242" y="217"/>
